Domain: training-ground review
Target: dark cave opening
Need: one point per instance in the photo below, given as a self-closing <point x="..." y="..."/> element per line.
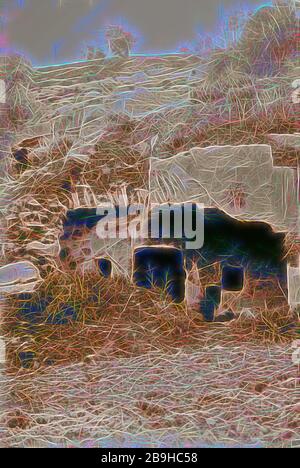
<point x="239" y="246"/>
<point x="210" y="302"/>
<point x="232" y="278"/>
<point x="162" y="267"/>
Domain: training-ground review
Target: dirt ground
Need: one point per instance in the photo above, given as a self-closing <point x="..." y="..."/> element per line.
<point x="220" y="392"/>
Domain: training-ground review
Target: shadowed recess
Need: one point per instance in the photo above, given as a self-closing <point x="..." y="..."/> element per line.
<point x="77" y="220"/>
<point x="105" y="267"/>
<point x="244" y="245"/>
<point x="160" y="267"/>
<point x="26" y="358"/>
<point x="207" y="308"/>
<point x="232" y="278"/>
<point x="82" y="218"/>
<point x="251" y="246"/>
<point x="210" y="302"/>
<point x="32" y="312"/>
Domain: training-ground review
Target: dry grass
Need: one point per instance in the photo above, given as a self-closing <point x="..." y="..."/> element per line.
<point x="115" y="318"/>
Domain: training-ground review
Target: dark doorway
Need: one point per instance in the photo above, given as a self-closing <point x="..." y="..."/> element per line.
<point x="232" y="278"/>
<point x="210" y="302"/>
<point x="162" y="267"/>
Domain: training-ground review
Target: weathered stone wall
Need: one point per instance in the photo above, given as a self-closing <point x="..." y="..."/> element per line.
<point x="240" y="180"/>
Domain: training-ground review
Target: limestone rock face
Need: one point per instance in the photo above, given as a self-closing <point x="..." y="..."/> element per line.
<point x="240" y="180"/>
<point x="18" y="277"/>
